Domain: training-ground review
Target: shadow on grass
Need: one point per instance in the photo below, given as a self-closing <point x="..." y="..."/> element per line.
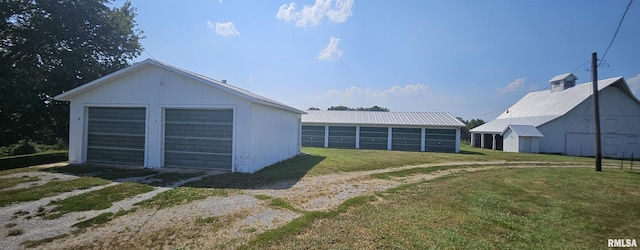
<point x="466" y="152"/>
<point x="119" y="174"/>
<point x="104" y="172"/>
<point x="281" y="175"/>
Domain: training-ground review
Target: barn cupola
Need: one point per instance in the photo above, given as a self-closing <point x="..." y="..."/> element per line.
<point x="562" y="82"/>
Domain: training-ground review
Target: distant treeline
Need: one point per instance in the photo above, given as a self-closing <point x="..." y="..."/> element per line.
<point x="345" y="108"/>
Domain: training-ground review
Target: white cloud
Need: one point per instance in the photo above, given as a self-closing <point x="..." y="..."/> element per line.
<point x="513" y="86"/>
<point x="331" y="52"/>
<point x="224" y="29"/>
<point x="336" y="11"/>
<point x="634" y="84"/>
<point x="341" y="12"/>
<point x="287" y="12"/>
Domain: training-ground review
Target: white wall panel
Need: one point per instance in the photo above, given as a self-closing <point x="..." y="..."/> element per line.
<point x="275" y="137"/>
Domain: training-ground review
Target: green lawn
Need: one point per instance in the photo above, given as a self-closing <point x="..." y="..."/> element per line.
<point x="98" y="199"/>
<point x="347" y="160"/>
<point x="49" y="189"/>
<point x="322" y="161"/>
<point x="535" y="208"/>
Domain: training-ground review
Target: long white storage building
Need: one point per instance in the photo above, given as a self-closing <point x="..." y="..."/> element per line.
<point x="153" y="114"/>
<point x="409" y="131"/>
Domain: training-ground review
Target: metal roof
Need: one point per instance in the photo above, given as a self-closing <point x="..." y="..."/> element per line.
<point x="561" y="77"/>
<point x="537" y="108"/>
<point x="66" y="96"/>
<point x="524" y="131"/>
<point x="437" y="119"/>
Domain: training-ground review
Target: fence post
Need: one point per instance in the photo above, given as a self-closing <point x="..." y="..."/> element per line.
<point x="622" y="161"/>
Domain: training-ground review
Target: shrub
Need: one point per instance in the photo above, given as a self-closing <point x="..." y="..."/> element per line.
<point x="32" y="159"/>
<point x="24" y="147"/>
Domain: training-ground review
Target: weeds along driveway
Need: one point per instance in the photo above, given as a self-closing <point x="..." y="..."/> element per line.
<point x="227" y="220"/>
<point x="32" y="221"/>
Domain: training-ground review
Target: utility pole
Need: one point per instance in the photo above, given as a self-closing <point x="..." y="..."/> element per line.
<point x="596" y="109"/>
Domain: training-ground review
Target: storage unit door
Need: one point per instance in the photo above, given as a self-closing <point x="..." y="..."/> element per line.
<point x="313" y="136"/>
<point x="342" y="137"/>
<point x="407" y="139"/>
<point x="116" y="135"/>
<point x="373" y="137"/>
<point x="442" y="140"/>
<point x="198" y="138"/>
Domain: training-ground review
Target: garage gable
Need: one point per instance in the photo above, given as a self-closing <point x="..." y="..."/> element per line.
<point x="144" y="75"/>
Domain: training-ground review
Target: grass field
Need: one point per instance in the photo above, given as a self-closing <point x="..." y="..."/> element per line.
<point x="322" y="161"/>
<point x="535" y="208"/>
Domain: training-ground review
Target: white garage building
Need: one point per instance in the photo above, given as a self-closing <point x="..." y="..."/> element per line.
<point x="153" y="114"/>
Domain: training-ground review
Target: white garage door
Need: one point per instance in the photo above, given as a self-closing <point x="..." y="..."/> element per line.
<point x="198" y="138"/>
<point x="116" y="135"/>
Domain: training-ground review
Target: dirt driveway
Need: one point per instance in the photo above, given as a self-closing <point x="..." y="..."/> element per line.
<point x="222" y="222"/>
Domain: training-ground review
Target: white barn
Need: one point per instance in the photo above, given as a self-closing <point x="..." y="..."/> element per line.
<point x="408" y="131"/>
<point x="564" y="118"/>
<point x="153" y="114"/>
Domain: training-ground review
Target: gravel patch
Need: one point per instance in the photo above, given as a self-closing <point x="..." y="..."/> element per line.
<point x="44" y="178"/>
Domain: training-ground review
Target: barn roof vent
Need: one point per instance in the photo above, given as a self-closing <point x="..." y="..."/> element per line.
<point x="562" y="82"/>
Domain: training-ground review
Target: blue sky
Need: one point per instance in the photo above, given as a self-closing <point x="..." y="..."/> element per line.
<point x="470" y="58"/>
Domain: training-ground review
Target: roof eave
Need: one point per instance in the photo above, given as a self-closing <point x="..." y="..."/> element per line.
<point x="68" y="95"/>
<point x="219" y="85"/>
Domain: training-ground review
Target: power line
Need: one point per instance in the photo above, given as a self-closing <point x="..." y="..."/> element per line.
<point x="581" y="65"/>
<point x="500" y="109"/>
<point x="616" y="33"/>
<point x="145" y="50"/>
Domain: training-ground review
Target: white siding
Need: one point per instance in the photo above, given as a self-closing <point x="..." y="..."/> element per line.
<point x="510" y="141"/>
<point x="578" y="125"/>
<point x="275" y="137"/>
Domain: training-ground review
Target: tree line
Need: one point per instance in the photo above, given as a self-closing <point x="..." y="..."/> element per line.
<point x="48" y="47"/>
<point x="345" y="108"/>
<point x="465" y="135"/>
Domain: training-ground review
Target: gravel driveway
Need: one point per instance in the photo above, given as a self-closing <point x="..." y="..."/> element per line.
<point x="233" y="219"/>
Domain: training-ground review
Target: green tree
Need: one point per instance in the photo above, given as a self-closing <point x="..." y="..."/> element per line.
<point x="51" y="46"/>
<point x="464" y="132"/>
<point x="374" y="108"/>
<point x="339" y="108"/>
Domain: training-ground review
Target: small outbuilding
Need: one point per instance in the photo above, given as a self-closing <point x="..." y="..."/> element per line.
<point x="521" y="139"/>
<point x="408" y="131"/>
<point x="153" y="114"/>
